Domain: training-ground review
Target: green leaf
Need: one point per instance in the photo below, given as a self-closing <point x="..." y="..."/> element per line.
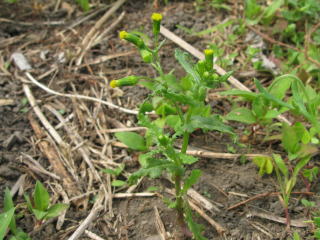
<point x="252" y="9"/>
<point x="270" y="11"/>
<point x="187" y="159"/>
<point x="152" y="189"/>
<point x="8" y="204"/>
<point x="195" y="228"/>
<point x="270" y="97"/>
<point x="241" y="114"/>
<point x="296" y="236"/>
<point x="174" y="121"/>
<point x="182" y="59"/>
<point x="302" y="162"/>
<point x="264" y="163"/>
<point x="5" y="219"/>
<point x="307" y="203"/>
<point x="165" y="109"/>
<point x="317" y="221"/>
<point x="208" y="123"/>
<point x="259" y="107"/>
<point x="132" y="140"/>
<point x="41" y="197"/>
<point x="114" y="172"/>
<point x="290" y="139"/>
<point x="280" y="85"/>
<point x="118" y="183"/>
<point x="55" y="210"/>
<point x="28" y="201"/>
<point x="281" y="165"/>
<point x="250" y="96"/>
<point x="40" y="215"/>
<point x="192" y="179"/>
<point x="311" y="174"/>
<point x="84" y="4"/>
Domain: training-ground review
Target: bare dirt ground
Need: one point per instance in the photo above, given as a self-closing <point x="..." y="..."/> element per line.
<point x="53" y="39"/>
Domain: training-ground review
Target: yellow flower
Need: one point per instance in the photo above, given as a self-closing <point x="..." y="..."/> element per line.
<point x="208" y="52"/>
<point x="156" y="17"/>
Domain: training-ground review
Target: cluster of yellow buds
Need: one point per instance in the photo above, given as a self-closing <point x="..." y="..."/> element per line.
<point x="145" y="52"/>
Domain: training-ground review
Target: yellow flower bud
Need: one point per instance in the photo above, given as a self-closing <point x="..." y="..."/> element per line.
<point x="156" y="17"/>
<point x="113" y="83"/>
<point x="136" y="40"/>
<point x="123" y="34"/>
<point x="208" y="53"/>
<point x="126" y="81"/>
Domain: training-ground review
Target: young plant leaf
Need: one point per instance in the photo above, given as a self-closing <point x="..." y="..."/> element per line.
<point x="250" y="96"/>
<point x="132" y="140"/>
<point x="5" y="219"/>
<point x="40" y="215"/>
<point x="241" y="114"/>
<point x="192" y="179"/>
<point x="118" y="183"/>
<point x="41" y="197"/>
<point x="264" y="164"/>
<point x="281" y="165"/>
<point x="302" y="162"/>
<point x="187" y="159"/>
<point x="195" y="228"/>
<point x="55" y="210"/>
<point x="208" y="123"/>
<point x="182" y="59"/>
<point x="290" y="140"/>
<point x="280" y="85"/>
<point x="8" y="204"/>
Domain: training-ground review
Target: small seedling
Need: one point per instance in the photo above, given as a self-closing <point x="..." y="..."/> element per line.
<point x="40" y="204"/>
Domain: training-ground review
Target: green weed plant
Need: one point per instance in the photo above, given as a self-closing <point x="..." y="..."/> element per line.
<point x="180" y="109"/>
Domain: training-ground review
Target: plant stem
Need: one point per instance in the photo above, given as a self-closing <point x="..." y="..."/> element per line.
<point x="185" y="142"/>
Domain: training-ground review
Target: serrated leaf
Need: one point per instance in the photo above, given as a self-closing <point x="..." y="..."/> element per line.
<point x="195" y="228"/>
<point x="118" y="183"/>
<point x="192" y="179"/>
<point x="55" y="210"/>
<point x="187" y="159"/>
<point x="41" y="197"/>
<point x="132" y="140"/>
<point x="241" y="114"/>
<point x="281" y="165"/>
<point x="182" y="59"/>
<point x="302" y="162"/>
<point x="5" y="219"/>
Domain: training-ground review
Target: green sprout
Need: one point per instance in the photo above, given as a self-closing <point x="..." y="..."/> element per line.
<point x="181" y="109"/>
<point x="40" y="204"/>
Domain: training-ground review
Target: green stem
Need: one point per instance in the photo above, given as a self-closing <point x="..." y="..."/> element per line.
<point x="185" y="142"/>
